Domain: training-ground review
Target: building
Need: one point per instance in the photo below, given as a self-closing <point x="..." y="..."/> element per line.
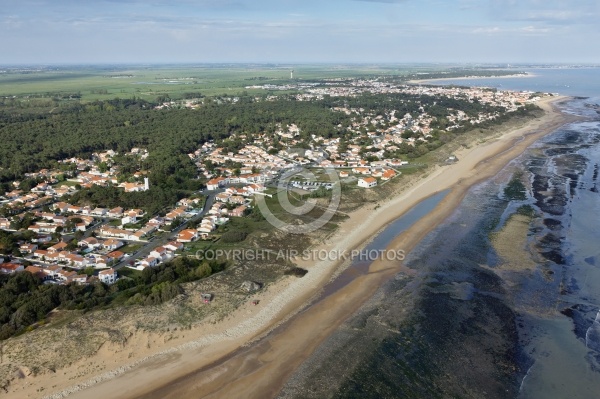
<point x="108" y="276"/>
<point x="112" y="244"/>
<point x="367" y="182"/>
<point x="238" y="212"/>
<point x="28" y="248"/>
<point x="10" y="268"/>
<point x="188" y="235"/>
<point x="388" y="174"/>
<point x="214" y="184"/>
<point x="173" y="246"/>
<point x="115" y="256"/>
<point x="116" y="212"/>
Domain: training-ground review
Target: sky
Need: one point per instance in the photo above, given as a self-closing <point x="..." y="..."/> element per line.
<point x="299" y="31"/>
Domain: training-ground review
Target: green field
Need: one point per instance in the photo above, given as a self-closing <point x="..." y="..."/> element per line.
<point x="150" y="82"/>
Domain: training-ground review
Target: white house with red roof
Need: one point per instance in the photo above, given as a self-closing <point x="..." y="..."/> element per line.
<point x="108" y="276"/>
<point x="388" y="174"/>
<point x="367" y="182"/>
<point x="150" y="261"/>
<point x="173" y="246"/>
<point x="187" y="235"/>
<point x="10" y="268"/>
<point x="216" y="183"/>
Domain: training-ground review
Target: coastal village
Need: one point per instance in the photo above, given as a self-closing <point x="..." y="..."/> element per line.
<point x="72" y="243"/>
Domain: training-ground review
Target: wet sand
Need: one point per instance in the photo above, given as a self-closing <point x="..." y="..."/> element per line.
<point x="218" y="368"/>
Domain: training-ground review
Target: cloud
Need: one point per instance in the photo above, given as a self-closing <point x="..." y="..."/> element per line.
<point x="546" y="11"/>
<point x="11" y="22"/>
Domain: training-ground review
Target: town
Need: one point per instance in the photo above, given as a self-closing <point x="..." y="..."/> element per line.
<point x="70" y="243"/>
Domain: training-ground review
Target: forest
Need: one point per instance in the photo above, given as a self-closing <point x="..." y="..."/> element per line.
<point x="32" y="140"/>
<point x="25" y="299"/>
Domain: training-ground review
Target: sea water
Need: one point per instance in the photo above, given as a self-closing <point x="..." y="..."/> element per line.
<point x="463" y="329"/>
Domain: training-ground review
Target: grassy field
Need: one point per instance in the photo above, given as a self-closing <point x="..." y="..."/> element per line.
<point x="150" y="82"/>
<point x="130" y="248"/>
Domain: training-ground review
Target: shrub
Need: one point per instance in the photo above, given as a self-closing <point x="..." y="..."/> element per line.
<point x="234" y="236"/>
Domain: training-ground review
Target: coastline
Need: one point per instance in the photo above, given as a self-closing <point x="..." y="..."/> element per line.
<point x="260" y="369"/>
<point x="425" y="81"/>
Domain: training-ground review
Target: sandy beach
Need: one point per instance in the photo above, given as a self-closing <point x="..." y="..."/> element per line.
<point x="236" y="358"/>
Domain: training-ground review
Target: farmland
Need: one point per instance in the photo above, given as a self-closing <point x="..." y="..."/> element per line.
<point x="90" y="83"/>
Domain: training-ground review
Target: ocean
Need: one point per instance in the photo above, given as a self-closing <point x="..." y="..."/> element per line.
<point x="484" y="319"/>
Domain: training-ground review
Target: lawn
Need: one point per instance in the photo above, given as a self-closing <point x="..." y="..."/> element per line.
<point x="131" y="248"/>
<point x="127" y="272"/>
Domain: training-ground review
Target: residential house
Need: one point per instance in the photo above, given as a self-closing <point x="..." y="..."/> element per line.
<point x="150" y="261"/>
<point x="4" y="224"/>
<point x="73" y="209"/>
<point x="42" y="239"/>
<point x="28" y="248"/>
<point x="111" y="244"/>
<point x="223" y="197"/>
<point x="99" y="212"/>
<point x="79" y="278"/>
<point x="367" y="182"/>
<point x="43" y="228"/>
<point x="206" y="226"/>
<point x="238" y="212"/>
<point x="10" y="268"/>
<point x="132" y="187"/>
<point x="108" y="276"/>
<point x="214" y="184"/>
<point x="61" y="207"/>
<point x="136" y="212"/>
<point x="176" y="213"/>
<point x="361" y="171"/>
<point x="236" y="199"/>
<point x="173" y="246"/>
<point x="116" y="212"/>
<point x="115" y="256"/>
<point x="61" y="246"/>
<point x="187" y="235"/>
<point x="129" y="220"/>
<point x="90" y="242"/>
<point x="216" y="208"/>
<point x="75" y="260"/>
<point x="53" y="271"/>
<point x="38" y="272"/>
<point x="388" y="174"/>
<point x="159" y="253"/>
<point x="156" y="221"/>
<point x="100" y="261"/>
<point x="65" y="275"/>
<point x="118" y="233"/>
<point x="40" y="253"/>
